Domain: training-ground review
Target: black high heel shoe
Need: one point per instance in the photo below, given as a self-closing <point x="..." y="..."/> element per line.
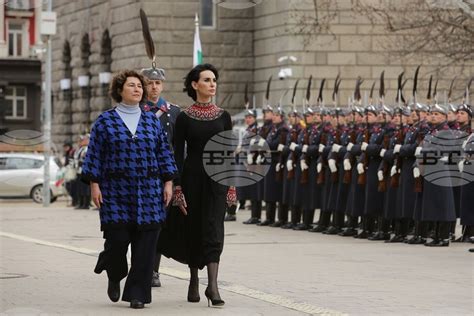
<point x="215" y="302"/>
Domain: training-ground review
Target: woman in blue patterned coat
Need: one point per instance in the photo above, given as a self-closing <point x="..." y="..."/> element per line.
<point x="130" y="167"/>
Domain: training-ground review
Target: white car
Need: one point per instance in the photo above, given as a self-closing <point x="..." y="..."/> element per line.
<point x="21" y="175"/>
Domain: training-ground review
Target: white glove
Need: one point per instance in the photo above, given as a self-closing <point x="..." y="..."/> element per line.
<point x="278" y="167"/>
<point x="364" y="146"/>
<point x="238" y="150"/>
<point x="293" y="146"/>
<point x="249" y="159"/>
<point x="319" y="167"/>
<point x="280" y="147"/>
<point x="396" y="149"/>
<point x="305" y="148"/>
<point x="418" y="151"/>
<point x="261" y="142"/>
<point x="349" y="146"/>
<point x="332" y="165"/>
<point x="416" y="172"/>
<point x="380" y="175"/>
<point x="289" y="165"/>
<point x="382" y="152"/>
<point x="321" y="148"/>
<point x="360" y="168"/>
<point x="347" y="164"/>
<point x="303" y="165"/>
<point x="461" y="165"/>
<point x="336" y="148"/>
<point x="260" y="160"/>
<point x="252" y="141"/>
<point x="393" y="171"/>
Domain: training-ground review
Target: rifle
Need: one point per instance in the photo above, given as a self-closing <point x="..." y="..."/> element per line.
<point x="395" y="179"/>
<point x="382" y="187"/>
<point x="279" y="173"/>
<point x="320" y="179"/>
<point x="362" y="178"/>
<point x="348" y="173"/>
<point x="305" y="173"/>
<point x="294" y="139"/>
<point x="337" y="140"/>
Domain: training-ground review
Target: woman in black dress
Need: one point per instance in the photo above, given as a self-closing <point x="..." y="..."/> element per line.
<point x="195" y="236"/>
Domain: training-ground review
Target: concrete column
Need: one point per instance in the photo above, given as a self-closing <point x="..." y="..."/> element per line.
<point x="38" y="10"/>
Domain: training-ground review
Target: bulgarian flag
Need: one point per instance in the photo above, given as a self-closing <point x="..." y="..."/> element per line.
<point x="197" y="52"/>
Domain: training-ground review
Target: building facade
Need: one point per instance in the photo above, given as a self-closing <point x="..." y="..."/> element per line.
<point x="20" y="67"/>
<point x="99" y="37"/>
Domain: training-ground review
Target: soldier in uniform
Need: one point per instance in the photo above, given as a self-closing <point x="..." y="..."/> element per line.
<point x="249" y="192"/>
<point x="326" y="139"/>
<point x="356" y="194"/>
<point x="274" y="190"/>
<point x="167" y="114"/>
<point x="438" y="201"/>
<point x="464" y="117"/>
<point x="263" y="133"/>
<point x="83" y="192"/>
<point x="367" y="168"/>
<point x="290" y="159"/>
<point x="303" y="174"/>
<point x="339" y="189"/>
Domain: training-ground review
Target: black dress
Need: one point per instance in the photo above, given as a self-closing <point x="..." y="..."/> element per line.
<point x="198" y="238"/>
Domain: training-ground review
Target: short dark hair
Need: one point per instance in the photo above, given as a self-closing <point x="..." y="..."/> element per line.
<point x="116" y="85"/>
<point x="193" y="75"/>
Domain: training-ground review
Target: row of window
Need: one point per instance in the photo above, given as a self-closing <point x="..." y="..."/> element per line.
<point x="15" y="102"/>
<point x="17" y="30"/>
<point x="11" y="163"/>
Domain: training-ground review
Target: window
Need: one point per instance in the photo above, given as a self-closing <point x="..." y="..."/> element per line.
<point x="208" y="14"/>
<point x="15" y="98"/>
<point x="18" y="38"/>
<point x="3" y="162"/>
<point x="19" y="4"/>
<point x="23" y="163"/>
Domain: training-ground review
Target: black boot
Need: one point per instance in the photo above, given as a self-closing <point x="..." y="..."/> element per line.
<point x="212" y="291"/>
<point x="282" y="215"/>
<point x="270" y="214"/>
<point x="256" y="210"/>
<point x="324" y="219"/>
<point x="193" y="289"/>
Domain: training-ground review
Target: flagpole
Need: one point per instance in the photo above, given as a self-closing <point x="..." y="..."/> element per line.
<point x="197" y="50"/>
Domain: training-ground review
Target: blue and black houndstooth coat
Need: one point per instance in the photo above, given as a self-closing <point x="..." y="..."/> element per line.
<point x="130" y="170"/>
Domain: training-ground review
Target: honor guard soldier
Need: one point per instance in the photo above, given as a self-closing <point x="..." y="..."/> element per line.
<point x="249" y="192"/>
<point x="438" y="201"/>
<point x="356" y="195"/>
<point x="167" y="113"/>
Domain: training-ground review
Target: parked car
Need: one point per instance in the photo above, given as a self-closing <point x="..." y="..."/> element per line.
<point x="21" y="175"/>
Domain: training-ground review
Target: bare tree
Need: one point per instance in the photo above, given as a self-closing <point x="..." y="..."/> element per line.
<point x="440" y="28"/>
<point x="311" y="23"/>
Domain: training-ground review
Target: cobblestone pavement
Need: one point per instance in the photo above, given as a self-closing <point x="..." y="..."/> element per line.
<point x="48" y="254"/>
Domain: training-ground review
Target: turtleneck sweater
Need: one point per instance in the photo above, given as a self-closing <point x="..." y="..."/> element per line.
<point x="130" y="115"/>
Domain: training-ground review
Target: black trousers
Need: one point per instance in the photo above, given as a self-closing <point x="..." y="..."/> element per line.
<point x="114" y="260"/>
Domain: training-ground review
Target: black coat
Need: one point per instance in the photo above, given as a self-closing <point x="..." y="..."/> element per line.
<point x="373" y="198"/>
<point x="273" y="188"/>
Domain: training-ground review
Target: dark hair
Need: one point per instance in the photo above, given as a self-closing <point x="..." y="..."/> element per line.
<point x="193" y="75"/>
<point x="116" y="85"/>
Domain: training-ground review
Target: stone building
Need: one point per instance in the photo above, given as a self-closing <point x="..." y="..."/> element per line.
<point x="98" y="37"/>
<point x="20" y="67"/>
